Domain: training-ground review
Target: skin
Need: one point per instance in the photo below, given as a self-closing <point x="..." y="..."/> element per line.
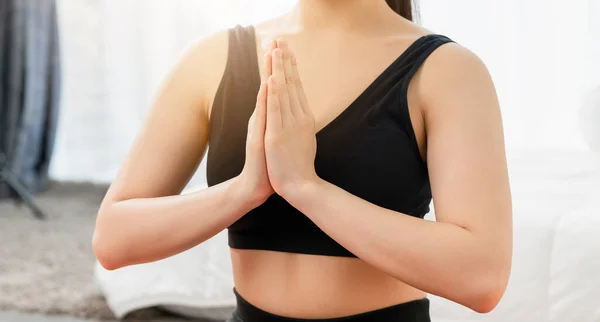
<point x="316" y="68"/>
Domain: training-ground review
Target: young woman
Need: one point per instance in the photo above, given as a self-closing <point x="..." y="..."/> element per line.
<point x="324" y="156"/>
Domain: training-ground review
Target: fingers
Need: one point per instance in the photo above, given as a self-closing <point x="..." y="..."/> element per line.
<point x="274" y="119"/>
<point x="298" y="86"/>
<point x="279" y="82"/>
<point x="290" y="78"/>
<point x="268" y="61"/>
<point x="277" y="65"/>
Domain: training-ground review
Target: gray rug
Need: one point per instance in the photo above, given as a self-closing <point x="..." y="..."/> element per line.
<point x="46" y="266"/>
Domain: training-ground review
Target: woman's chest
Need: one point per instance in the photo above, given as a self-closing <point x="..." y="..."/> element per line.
<point x="367" y="150"/>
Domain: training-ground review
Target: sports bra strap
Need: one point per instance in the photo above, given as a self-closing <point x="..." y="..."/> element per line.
<point x="414" y="58"/>
<point x="242" y="56"/>
<point x="416" y="55"/>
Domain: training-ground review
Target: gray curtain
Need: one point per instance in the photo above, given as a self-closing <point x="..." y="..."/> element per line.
<point x="29" y="89"/>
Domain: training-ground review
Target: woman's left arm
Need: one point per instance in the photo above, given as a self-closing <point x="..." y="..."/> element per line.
<point x="465" y="256"/>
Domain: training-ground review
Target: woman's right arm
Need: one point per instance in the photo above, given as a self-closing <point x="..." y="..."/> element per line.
<point x="143" y="217"/>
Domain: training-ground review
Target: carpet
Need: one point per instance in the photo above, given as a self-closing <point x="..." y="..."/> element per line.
<point x="46" y="266"/>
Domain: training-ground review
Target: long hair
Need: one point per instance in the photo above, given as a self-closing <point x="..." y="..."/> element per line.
<point x="402" y="7"/>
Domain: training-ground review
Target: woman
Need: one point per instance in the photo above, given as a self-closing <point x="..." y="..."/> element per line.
<point x="323" y="179"/>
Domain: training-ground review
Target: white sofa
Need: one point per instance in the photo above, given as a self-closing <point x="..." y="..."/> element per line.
<point x="556" y="262"/>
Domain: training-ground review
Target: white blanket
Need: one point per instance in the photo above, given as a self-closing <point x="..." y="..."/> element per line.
<point x="556" y="262"/>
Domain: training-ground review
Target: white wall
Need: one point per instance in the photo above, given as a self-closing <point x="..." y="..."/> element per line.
<point x="593" y="46"/>
<point x="535" y="50"/>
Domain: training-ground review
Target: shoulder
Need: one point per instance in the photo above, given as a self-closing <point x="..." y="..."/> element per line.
<point x="454" y="60"/>
<point x="448" y="59"/>
<point x="200" y="67"/>
<point x="203" y="51"/>
<point x="204" y="55"/>
<point x="452" y="71"/>
<point x="454" y="90"/>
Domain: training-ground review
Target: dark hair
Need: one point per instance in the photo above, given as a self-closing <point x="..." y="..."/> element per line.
<point x="402" y="7"/>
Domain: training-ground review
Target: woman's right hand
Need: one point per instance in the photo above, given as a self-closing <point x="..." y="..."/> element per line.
<point x="254" y="177"/>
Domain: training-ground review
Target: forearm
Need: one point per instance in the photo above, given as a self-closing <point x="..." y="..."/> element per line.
<point x="438" y="258"/>
<point x="149" y="229"/>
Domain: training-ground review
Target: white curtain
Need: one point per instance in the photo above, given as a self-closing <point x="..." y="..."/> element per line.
<point x="115" y="55"/>
<point x="539" y="52"/>
<point x="593" y="46"/>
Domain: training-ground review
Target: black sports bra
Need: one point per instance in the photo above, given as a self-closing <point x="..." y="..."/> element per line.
<point x="369" y="150"/>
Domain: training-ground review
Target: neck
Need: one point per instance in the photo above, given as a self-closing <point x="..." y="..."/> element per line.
<point x="335" y="14"/>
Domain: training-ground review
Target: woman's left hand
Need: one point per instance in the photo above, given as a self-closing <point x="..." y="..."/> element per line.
<point x="290" y="142"/>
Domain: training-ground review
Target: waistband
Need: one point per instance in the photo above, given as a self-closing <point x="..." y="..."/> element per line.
<point x="413" y="311"/>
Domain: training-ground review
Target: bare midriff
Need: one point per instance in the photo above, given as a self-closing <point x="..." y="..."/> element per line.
<point x="315" y="287"/>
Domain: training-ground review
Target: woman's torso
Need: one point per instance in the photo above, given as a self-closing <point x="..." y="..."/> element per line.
<point x="335" y="70"/>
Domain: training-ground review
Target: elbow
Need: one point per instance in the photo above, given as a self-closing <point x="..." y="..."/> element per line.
<point x="484" y="297"/>
<point x="105" y="253"/>
<point x="485" y="301"/>
<point x="106" y="248"/>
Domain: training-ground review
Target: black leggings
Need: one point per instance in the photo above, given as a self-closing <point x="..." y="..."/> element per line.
<point x="413" y="311"/>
